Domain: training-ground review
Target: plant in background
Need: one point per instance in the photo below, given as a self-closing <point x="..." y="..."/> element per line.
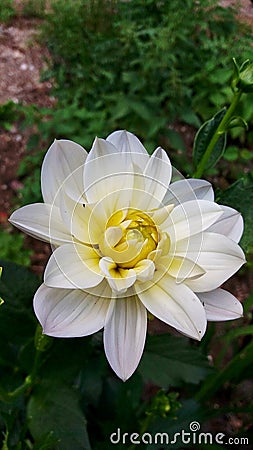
<point x="9" y="112"/>
<point x="60" y="393"/>
<point x="1" y="300"/>
<point x="13" y="248"/>
<point x="7" y="11"/>
<point x="174" y="56"/>
<point x="33" y="8"/>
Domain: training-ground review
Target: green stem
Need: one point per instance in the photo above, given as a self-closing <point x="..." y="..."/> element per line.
<point x="40" y="345"/>
<point x="29" y="381"/>
<point x="220" y="130"/>
<point x="19" y="390"/>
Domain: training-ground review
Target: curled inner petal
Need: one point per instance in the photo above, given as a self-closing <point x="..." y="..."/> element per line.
<point x="129" y="238"/>
<point x="119" y="279"/>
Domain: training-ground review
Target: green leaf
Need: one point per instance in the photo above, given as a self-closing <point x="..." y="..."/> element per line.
<point x="240" y="196"/>
<point x="175" y="140"/>
<point x="17" y="284"/>
<point x="247" y="155"/>
<point x="54" y="408"/>
<point x="91" y="378"/>
<point x="169" y="360"/>
<point x="140" y="109"/>
<point x="13" y="249"/>
<point x="231" y="153"/>
<point x="203" y="138"/>
<point x="17" y="320"/>
<point x="190" y="118"/>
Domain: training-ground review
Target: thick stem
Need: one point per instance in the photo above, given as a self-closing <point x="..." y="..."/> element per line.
<point x="220" y="130"/>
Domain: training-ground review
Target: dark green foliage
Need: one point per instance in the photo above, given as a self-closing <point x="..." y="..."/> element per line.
<point x="7" y="11"/>
<point x="140" y="65"/>
<point x="158" y="362"/>
<point x="13" y="249"/>
<point x="240" y="196"/>
<point x="54" y="409"/>
<point x="9" y="112"/>
<point x="73" y="379"/>
<point x="33" y="8"/>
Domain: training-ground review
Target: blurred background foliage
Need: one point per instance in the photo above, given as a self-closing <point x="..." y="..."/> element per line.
<point x="158" y="69"/>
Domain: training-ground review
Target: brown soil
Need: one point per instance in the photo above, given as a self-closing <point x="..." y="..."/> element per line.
<point x="22" y="60"/>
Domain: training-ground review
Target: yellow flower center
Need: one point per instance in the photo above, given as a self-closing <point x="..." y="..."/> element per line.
<point x="129" y="237"/>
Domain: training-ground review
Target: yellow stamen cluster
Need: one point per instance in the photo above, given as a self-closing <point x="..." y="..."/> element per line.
<point x="129" y="238"/>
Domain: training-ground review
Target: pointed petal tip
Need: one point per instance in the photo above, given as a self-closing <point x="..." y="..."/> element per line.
<point x="125" y="335"/>
<point x="221" y="305"/>
<point x="199" y="336"/>
<point x="195" y="333"/>
<point x="13" y="216"/>
<point x="122" y="375"/>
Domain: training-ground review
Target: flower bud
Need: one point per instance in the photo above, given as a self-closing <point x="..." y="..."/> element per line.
<point x="243" y="77"/>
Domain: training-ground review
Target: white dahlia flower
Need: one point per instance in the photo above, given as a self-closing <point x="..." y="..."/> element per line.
<point x="127" y="241"/>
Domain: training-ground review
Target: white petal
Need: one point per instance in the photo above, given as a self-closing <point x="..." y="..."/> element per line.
<point x="174" y="304"/>
<point x="81" y="219"/>
<point x="218" y="255"/>
<point x="190" y="218"/>
<point x="124" y="335"/>
<point x="135" y="152"/>
<point x="230" y="224"/>
<point x="73" y="266"/>
<point x="119" y="279"/>
<point x="126" y="142"/>
<point x="113" y="236"/>
<point x="69" y="313"/>
<point x="181" y="268"/>
<point x="221" y="305"/>
<point x="188" y="189"/>
<point x="144" y="270"/>
<point x="157" y="176"/>
<point x="43" y="222"/>
<point x="107" y="171"/>
<point x="62" y="162"/>
<point x="161" y="214"/>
